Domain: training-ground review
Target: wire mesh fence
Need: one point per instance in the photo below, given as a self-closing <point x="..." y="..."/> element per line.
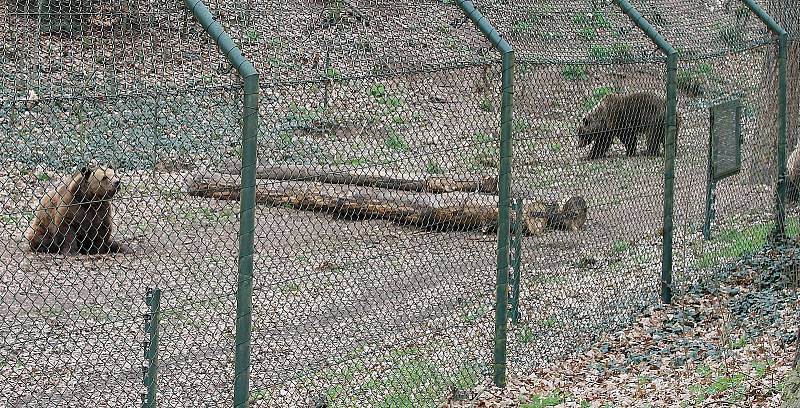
<point x="377" y="191"/>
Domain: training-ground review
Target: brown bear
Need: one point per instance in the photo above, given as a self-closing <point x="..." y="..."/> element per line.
<point x="793" y="176"/>
<point x="624" y="117"/>
<point x="76" y="216"/>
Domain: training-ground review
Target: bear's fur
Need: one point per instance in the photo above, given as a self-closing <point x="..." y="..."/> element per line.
<point x="76" y="216"/>
<point x="624" y="117"/>
<point x="793" y="176"/>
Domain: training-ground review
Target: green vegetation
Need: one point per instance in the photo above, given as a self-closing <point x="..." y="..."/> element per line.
<point x="520" y="125"/>
<point x="574" y="73"/>
<point x="734" y="243"/>
<point x="487" y="105"/>
<point x="619" y="247"/>
<point x="588" y="33"/>
<point x="692" y="80"/>
<point x="396" y="141"/>
<point x="433" y="167"/>
<point x="550" y="400"/>
<point x="418" y="382"/>
<point x="526" y="335"/>
<point x="377" y="90"/>
<point x="596" y="19"/>
<point x="550" y="36"/>
<point x="734" y="383"/>
<point x="332" y="74"/>
<point x="596" y="96"/>
<point x="526" y="25"/>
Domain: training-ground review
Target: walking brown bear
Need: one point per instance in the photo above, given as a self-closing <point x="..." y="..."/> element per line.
<point x="624" y="117"/>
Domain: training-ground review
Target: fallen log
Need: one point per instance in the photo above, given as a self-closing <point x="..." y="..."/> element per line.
<point x="382" y="178"/>
<point x="448" y="211"/>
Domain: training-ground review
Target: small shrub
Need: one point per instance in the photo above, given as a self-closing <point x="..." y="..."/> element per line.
<point x="620" y="51"/>
<point x="619" y="247"/>
<point x="396" y="141"/>
<point x="377" y="90"/>
<point x="526" y="24"/>
<point x="549" y="400"/>
<point x="588" y="33"/>
<point x="520" y="125"/>
<point x="521" y="27"/>
<point x="392" y="101"/>
<point x="692" y="81"/>
<point x="597" y="95"/>
<point x="332" y="74"/>
<point x="526" y="335"/>
<point x="433" y="167"/>
<point x="599" y="52"/>
<point x="574" y="73"/>
<point x="550" y="36"/>
<point x="487" y="105"/>
<point x="596" y="20"/>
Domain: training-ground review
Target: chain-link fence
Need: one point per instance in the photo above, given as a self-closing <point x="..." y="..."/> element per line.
<point x="377" y="191"/>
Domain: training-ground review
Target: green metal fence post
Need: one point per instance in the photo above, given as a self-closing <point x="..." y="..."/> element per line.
<point x="516" y="260"/>
<point x="669" y="142"/>
<point x="783" y="54"/>
<point x="669" y="176"/>
<point x="153" y="301"/>
<point x="504" y="186"/>
<point x="247" y="197"/>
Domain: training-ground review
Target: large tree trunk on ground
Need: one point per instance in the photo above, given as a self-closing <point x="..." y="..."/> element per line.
<point x="373" y="178"/>
<point x="451" y="210"/>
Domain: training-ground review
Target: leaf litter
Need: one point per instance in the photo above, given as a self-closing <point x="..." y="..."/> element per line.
<point x="729" y="341"/>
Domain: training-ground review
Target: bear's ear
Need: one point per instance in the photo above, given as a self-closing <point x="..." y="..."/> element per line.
<point x="86" y="171"/>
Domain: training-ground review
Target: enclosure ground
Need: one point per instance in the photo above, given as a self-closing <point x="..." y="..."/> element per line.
<point x="728" y="343"/>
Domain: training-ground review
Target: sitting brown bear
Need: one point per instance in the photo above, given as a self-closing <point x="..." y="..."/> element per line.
<point x="624" y="117"/>
<point x="76" y="216"/>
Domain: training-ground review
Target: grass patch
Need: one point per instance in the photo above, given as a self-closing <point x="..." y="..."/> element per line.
<point x="377" y="90"/>
<point x="526" y="335"/>
<point x="8" y="219"/>
<point x="733" y="384"/>
<point x="588" y="33"/>
<point x="476" y="313"/>
<point x="692" y="80"/>
<point x="391" y="101"/>
<point x="597" y="95"/>
<point x="526" y="25"/>
<point x="487" y="105"/>
<point x="575" y="73"/>
<point x="433" y="167"/>
<point x="734" y="243"/>
<point x="549" y="400"/>
<point x="417" y="382"/>
<point x="520" y="125"/>
<point x="619" y="247"/>
<point x="396" y="141"/>
<point x="596" y="19"/>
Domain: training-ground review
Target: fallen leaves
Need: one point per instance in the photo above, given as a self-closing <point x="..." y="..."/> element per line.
<point x="727" y="342"/>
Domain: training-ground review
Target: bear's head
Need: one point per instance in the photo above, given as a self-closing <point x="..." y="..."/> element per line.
<point x="99" y="182"/>
<point x="593" y="124"/>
